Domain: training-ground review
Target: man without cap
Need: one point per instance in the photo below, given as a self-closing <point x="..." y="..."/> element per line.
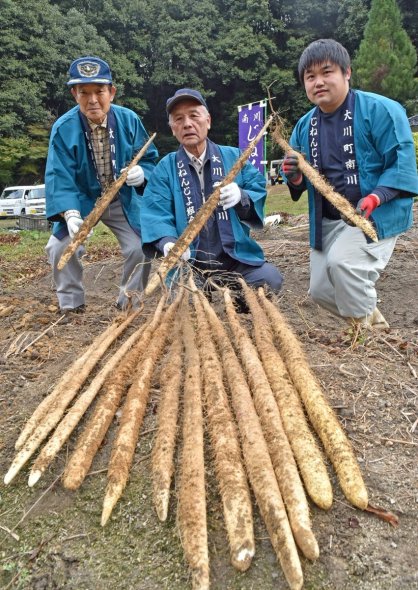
<point x="362" y="143"/>
<point x="181" y="183"/>
<point x="89" y="146"/>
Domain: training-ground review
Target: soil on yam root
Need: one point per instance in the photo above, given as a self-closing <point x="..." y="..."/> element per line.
<point x="371" y="383"/>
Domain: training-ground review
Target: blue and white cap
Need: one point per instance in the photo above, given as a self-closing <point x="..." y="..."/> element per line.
<point x="89" y="70"/>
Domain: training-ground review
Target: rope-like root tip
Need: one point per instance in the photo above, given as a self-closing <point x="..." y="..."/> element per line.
<point x="113" y="493"/>
<point x="34" y="477"/>
<point x="241" y="557"/>
<point x="161" y="504"/>
<point x="279" y="129"/>
<point x="72" y="482"/>
<point x="200" y="578"/>
<point x="358" y="497"/>
<point x="10" y="475"/>
<point x="307" y="543"/>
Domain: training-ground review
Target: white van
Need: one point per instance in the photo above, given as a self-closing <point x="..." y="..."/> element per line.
<point x="14" y="199"/>
<point x="35" y="201"/>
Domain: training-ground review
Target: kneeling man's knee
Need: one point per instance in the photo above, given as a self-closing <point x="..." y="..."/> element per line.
<point x="273" y="277"/>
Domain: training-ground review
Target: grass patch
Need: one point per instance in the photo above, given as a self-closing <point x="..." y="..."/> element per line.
<point x="23" y="257"/>
<point x="279" y="200"/>
<point x="23" y="246"/>
<point x="102" y="237"/>
<point x="19" y="244"/>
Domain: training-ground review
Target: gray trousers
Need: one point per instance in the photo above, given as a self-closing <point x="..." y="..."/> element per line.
<point x="69" y="280"/>
<point x="344" y="273"/>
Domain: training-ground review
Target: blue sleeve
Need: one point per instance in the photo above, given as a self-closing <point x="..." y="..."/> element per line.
<point x="61" y="189"/>
<point x="157" y="214"/>
<point x="386" y="126"/>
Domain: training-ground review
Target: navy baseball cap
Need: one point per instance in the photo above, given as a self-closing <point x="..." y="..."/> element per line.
<point x="184" y="94"/>
<point x="89" y="70"/>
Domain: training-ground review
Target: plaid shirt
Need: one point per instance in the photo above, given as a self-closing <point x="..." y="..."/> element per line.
<point x="101" y="149"/>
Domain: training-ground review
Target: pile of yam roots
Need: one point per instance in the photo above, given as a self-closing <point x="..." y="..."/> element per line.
<point x="252" y="392"/>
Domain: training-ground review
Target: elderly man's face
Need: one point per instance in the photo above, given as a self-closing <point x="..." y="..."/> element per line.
<point x="94" y="100"/>
<point x="190" y="123"/>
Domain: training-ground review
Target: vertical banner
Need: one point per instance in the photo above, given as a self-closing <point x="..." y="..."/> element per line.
<point x="250" y="121"/>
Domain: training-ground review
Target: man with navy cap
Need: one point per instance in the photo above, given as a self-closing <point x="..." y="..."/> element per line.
<point x="180" y="184"/>
<point x="89" y="146"/>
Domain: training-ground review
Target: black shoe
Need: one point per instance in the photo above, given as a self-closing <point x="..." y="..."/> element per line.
<point x="79" y="309"/>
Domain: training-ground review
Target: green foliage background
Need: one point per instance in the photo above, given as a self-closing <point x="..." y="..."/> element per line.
<point x="386" y="57"/>
<point x="231" y="50"/>
<point x="415" y="136"/>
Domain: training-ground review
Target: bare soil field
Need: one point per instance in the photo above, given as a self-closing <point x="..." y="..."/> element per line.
<point x="51" y="538"/>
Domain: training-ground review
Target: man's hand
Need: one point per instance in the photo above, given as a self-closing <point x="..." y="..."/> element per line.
<point x="169" y="245"/>
<point x="230" y="195"/>
<point x="367" y="205"/>
<point x="291" y="168"/>
<point x="73" y="220"/>
<point x="135" y="176"/>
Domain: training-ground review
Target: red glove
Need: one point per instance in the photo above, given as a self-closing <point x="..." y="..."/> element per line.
<point x="291" y="168"/>
<point x="367" y="205"/>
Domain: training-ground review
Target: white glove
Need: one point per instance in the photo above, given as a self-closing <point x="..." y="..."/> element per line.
<point x="230" y="195"/>
<point x="135" y="176"/>
<point x="73" y="220"/>
<point x="169" y="245"/>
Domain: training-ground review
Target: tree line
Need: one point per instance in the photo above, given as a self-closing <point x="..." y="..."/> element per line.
<point x="231" y="50"/>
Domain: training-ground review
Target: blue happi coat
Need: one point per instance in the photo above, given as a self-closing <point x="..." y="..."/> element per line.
<point x="163" y="210"/>
<point x="70" y="177"/>
<point x="385" y="157"/>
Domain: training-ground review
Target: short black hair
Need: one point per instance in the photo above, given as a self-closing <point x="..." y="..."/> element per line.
<point x="321" y="51"/>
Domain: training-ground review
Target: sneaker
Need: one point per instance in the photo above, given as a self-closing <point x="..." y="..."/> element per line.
<point x="377" y="320"/>
<point x="374" y="321"/>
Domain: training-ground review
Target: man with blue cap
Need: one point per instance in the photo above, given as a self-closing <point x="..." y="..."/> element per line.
<point x="181" y="183"/>
<point x="89" y="146"/>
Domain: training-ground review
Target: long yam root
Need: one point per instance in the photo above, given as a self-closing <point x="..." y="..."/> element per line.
<point x="133" y="412"/>
<point x="256" y="455"/>
<point x="230" y="472"/>
<point x="192" y="501"/>
<point x="100" y="207"/>
<point x="77" y="411"/>
<point x="58" y="405"/>
<point x="162" y="459"/>
<point x="322" y="186"/>
<point x="72" y="378"/>
<point x="102" y="416"/>
<point x="281" y="454"/>
<point x="304" y="446"/>
<point x="321" y="415"/>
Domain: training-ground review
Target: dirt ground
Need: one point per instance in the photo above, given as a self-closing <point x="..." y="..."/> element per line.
<point x="51" y="538"/>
